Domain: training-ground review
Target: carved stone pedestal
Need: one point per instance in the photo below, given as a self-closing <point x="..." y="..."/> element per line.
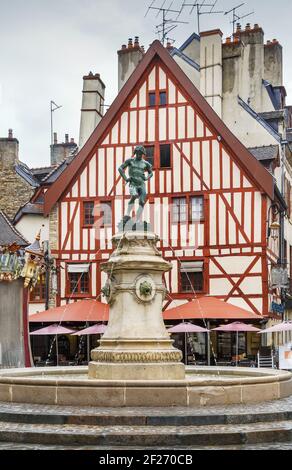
<point x="136" y="344"/>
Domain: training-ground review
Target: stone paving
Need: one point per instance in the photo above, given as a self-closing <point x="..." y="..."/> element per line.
<point x="271" y="446"/>
<point x="117" y="434"/>
<point x="264" y="407"/>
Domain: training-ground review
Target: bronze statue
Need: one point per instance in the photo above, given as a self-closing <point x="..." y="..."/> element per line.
<point x="137" y="168"/>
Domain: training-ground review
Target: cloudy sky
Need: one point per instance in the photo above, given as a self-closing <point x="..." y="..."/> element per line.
<point x="46" y="46"/>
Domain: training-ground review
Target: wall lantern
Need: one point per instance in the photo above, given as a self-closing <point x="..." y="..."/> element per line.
<point x="274" y="231"/>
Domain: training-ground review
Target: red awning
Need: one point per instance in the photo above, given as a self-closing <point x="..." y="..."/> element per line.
<point x="81" y="312"/>
<point x="209" y="308"/>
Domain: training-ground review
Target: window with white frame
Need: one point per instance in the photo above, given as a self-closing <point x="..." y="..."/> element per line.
<point x="197" y="208"/>
<point x="192" y="276"/>
<point x="78" y="279"/>
<point x="179" y="209"/>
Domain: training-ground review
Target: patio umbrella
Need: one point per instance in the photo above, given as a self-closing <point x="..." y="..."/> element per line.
<point x="187" y="328"/>
<point x="236" y="327"/>
<point x="98" y="329"/>
<point x="53" y="330"/>
<point x="281" y="327"/>
<point x="285" y="326"/>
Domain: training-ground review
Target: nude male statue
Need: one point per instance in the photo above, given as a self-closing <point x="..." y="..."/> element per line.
<point x="137" y="167"/>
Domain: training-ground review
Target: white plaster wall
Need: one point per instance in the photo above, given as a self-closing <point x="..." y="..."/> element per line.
<point x="30" y="225"/>
<point x="191" y="72"/>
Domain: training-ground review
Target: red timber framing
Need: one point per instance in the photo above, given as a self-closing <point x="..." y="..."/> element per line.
<point x="206" y="160"/>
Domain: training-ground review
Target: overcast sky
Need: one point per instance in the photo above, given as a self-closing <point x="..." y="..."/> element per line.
<point x="46" y="46"/>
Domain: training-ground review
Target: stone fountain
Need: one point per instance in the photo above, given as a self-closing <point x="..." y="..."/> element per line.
<point x="136" y="344"/>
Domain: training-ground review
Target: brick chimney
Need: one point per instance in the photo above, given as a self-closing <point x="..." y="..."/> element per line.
<point x="129" y="57"/>
<point x="9" y="147"/>
<point x="92" y="106"/>
<point x="61" y="151"/>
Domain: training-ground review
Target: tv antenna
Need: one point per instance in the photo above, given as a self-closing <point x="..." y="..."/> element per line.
<point x="54" y="107"/>
<point x="201" y="10"/>
<point x="168" y="24"/>
<point x="237" y="17"/>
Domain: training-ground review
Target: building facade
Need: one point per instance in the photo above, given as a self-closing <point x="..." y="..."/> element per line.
<point x="209" y="199"/>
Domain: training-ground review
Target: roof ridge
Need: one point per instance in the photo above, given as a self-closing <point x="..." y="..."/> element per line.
<point x="64" y="160"/>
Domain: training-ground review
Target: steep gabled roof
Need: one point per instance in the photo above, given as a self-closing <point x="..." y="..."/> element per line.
<point x="174" y="51"/>
<point x="28" y="209"/>
<point x="8" y="234"/>
<point x="257" y="173"/>
<point x="259" y="119"/>
<point x="25" y="173"/>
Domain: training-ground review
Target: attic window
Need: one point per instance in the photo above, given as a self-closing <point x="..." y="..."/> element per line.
<point x="162" y="98"/>
<point x="152" y="98"/>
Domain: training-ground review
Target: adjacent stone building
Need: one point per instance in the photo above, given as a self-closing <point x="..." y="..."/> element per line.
<point x="16" y="180"/>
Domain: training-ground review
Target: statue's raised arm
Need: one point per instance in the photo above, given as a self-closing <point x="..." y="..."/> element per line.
<point x="122" y="169"/>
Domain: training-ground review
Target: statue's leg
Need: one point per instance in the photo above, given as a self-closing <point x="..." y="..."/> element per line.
<point x="142" y="202"/>
<point x="131" y="206"/>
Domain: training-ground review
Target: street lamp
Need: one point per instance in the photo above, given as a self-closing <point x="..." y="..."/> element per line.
<point x="274" y="227"/>
<point x="274" y="230"/>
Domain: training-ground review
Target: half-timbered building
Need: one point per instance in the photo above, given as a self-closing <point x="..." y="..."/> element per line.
<point x="208" y="201"/>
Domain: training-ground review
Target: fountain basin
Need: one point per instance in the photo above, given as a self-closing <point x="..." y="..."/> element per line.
<point x="202" y="386"/>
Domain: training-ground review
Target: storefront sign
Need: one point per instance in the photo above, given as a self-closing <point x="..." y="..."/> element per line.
<point x="278" y="308"/>
<point x="285" y="356"/>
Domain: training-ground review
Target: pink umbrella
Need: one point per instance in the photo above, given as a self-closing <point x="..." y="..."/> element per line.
<point x="187" y="328"/>
<point x="97" y="329"/>
<point x="236" y="327"/>
<point x="92" y="330"/>
<point x="285" y="326"/>
<point x="54" y="330"/>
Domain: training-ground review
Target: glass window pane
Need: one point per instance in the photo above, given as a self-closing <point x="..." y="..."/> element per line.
<point x="197" y="208"/>
<point x="150" y="154"/>
<point x="162" y="96"/>
<point x="84" y="283"/>
<point x="192" y="281"/>
<point x="74" y="281"/>
<point x="88" y="209"/>
<point x="106" y="208"/>
<point x="165" y="159"/>
<point x="179" y="209"/>
<point x="152" y="99"/>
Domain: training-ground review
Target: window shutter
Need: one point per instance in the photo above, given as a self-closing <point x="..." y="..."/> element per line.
<point x="78" y="268"/>
<point x="192" y="267"/>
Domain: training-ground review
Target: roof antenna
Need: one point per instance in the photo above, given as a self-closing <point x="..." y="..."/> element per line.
<point x="168" y="24"/>
<point x="201" y="9"/>
<point x="236" y="17"/>
<point x="54" y="107"/>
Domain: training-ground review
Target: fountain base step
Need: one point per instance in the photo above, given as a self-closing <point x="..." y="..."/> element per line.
<point x="147" y="436"/>
<point x="135" y="371"/>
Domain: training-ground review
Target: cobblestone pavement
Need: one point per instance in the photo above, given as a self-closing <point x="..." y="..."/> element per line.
<point x="283" y="405"/>
<point x="144" y="430"/>
<point x="13" y="446"/>
<point x="264" y="407"/>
